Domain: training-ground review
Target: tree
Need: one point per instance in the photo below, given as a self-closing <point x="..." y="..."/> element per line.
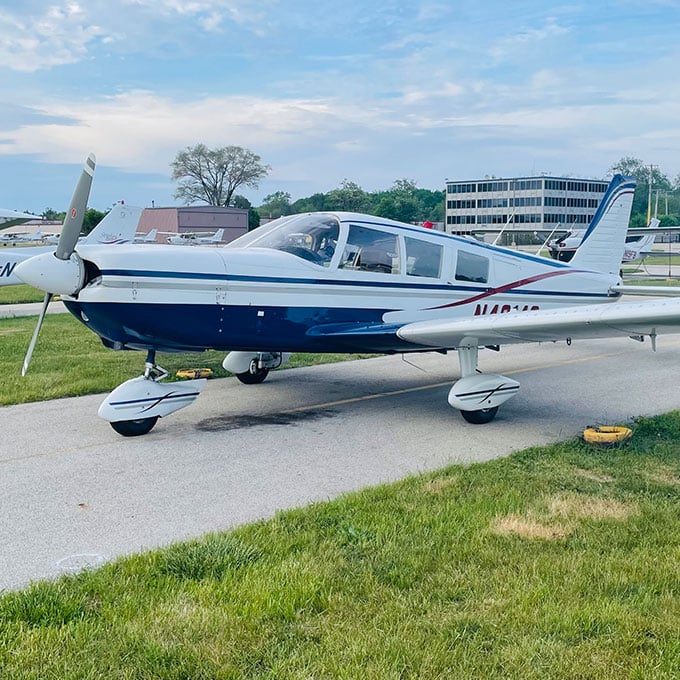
<point x="634" y="167"/>
<point x="242" y="202"/>
<point x="275" y="205"/>
<point x="212" y="175"/>
<point x="315" y="202"/>
<point x="91" y="219"/>
<point x="349" y="196"/>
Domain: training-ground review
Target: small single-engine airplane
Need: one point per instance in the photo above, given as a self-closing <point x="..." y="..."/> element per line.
<point x="117" y="226"/>
<point x="340" y="282"/>
<point x="638" y="245"/>
<point x="196" y="238"/>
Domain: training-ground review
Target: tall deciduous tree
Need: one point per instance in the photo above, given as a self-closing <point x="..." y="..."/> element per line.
<point x="212" y="175"/>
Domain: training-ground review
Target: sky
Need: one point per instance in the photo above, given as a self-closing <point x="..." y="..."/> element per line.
<point x="425" y="90"/>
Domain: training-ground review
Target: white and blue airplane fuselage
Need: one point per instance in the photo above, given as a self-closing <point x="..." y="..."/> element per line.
<point x="254" y="298"/>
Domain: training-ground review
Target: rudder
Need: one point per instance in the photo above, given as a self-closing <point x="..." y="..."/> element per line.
<point x="604" y="242"/>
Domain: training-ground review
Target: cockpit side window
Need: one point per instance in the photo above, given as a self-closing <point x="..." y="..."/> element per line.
<point x="472" y="267"/>
<point x="423" y="258"/>
<point x="371" y="250"/>
<point x="310" y="237"/>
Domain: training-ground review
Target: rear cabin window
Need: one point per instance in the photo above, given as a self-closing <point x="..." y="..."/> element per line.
<point x="371" y="250"/>
<point x="423" y="258"/>
<point x="471" y="267"/>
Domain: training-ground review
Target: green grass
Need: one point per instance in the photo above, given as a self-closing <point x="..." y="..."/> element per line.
<point x="70" y="360"/>
<point x="557" y="562"/>
<point x="672" y="281"/>
<point x="12" y="295"/>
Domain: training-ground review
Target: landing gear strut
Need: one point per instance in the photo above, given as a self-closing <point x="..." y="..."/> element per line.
<point x="134" y="407"/>
<point x="252" y="368"/>
<point x="140" y="426"/>
<point x="479" y="395"/>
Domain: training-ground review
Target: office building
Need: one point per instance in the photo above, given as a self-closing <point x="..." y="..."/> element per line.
<point x="523" y="203"/>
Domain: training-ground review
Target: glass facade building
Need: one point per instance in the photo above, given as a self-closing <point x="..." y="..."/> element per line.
<point x="537" y="203"/>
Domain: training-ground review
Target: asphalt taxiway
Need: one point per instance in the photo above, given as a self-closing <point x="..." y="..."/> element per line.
<point x="75" y="494"/>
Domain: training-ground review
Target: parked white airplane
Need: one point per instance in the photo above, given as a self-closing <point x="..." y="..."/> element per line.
<point x="148" y="237"/>
<point x="196" y="238"/>
<point x="27" y="237"/>
<point x="340" y="282"/>
<point x="638" y="245"/>
<point x="117" y="226"/>
<point x="9" y="218"/>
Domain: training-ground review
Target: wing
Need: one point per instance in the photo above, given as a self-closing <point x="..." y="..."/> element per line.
<point x="589" y="321"/>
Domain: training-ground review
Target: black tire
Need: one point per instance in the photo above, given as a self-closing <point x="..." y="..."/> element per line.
<point x="134" y="428"/>
<point x="256" y="378"/>
<point x="481" y="417"/>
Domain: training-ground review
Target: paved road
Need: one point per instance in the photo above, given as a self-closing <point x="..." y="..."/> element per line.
<point x="73" y="493"/>
<point x="30" y="309"/>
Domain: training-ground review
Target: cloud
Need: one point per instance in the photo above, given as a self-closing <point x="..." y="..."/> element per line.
<point x="68" y="32"/>
<point x="60" y="35"/>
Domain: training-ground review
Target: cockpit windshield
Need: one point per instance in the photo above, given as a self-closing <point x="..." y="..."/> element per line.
<point x="311" y="237"/>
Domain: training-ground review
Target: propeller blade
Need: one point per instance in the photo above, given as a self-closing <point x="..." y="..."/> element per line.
<point x="34" y="339"/>
<point x="76" y="212"/>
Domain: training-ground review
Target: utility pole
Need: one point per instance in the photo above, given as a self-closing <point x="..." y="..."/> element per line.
<point x="649" y="194"/>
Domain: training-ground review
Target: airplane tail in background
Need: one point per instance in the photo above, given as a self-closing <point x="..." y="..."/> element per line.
<point x="217" y="236"/>
<point x="638" y="247"/>
<point x="604" y="242"/>
<point x="118" y="226"/>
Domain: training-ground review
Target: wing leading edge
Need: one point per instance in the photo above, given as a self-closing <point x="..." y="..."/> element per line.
<point x="582" y="322"/>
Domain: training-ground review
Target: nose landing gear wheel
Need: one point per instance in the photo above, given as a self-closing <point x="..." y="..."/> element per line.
<point x="134" y="428"/>
<point x="481" y="417"/>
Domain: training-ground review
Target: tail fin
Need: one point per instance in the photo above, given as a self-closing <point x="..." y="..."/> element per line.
<point x="217" y="236"/>
<point x="118" y="226"/>
<point x="605" y="239"/>
<point x="640" y="245"/>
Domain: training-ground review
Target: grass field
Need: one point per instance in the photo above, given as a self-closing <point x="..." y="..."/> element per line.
<point x="11" y="295"/>
<point x="557" y="562"/>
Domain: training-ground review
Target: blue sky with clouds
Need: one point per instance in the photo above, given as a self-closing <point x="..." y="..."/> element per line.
<point x="323" y="91"/>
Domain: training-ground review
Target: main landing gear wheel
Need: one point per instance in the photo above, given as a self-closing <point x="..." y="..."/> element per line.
<point x="253" y="377"/>
<point x="134" y="428"/>
<point x="481" y="417"/>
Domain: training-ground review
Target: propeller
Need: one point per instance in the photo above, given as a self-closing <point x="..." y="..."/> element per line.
<point x="60" y="272"/>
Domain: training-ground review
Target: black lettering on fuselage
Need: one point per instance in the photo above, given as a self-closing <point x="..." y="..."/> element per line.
<point x="8" y="269"/>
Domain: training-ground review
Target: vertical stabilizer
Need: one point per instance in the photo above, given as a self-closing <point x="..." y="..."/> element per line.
<point x="605" y="239"/>
<point x="118" y="226"/>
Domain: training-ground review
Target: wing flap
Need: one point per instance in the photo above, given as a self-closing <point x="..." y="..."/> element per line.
<point x="588" y="321"/>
